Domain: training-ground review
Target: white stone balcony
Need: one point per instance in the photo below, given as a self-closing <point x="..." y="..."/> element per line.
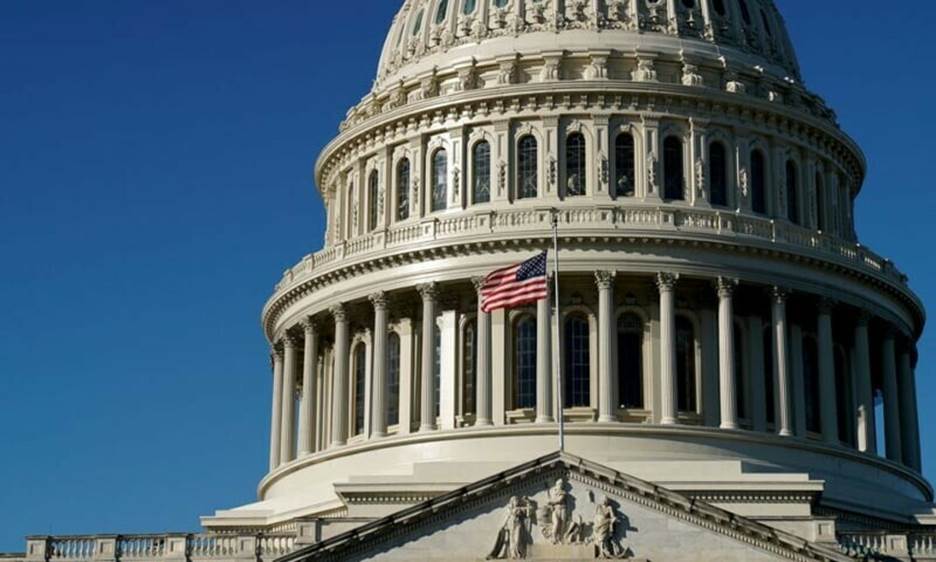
<point x="165" y="547"/>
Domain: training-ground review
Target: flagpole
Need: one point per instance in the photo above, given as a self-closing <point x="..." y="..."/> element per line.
<point x="560" y="402"/>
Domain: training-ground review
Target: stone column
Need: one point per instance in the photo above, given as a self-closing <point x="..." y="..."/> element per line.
<point x="909" y="422"/>
<point x="798" y="378"/>
<point x="544" y="401"/>
<point x="483" y="414"/>
<point x="784" y="418"/>
<point x="427" y="415"/>
<point x="828" y="401"/>
<point x="727" y="370"/>
<point x="277" y="413"/>
<point x="307" y="409"/>
<point x="864" y="394"/>
<point x="379" y="390"/>
<point x="666" y="283"/>
<point x="891" y="398"/>
<point x="339" y="424"/>
<point x="607" y="389"/>
<point x="288" y="427"/>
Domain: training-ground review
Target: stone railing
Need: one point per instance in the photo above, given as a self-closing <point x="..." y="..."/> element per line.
<point x="884" y="546"/>
<point x="613" y="220"/>
<point x="169" y="547"/>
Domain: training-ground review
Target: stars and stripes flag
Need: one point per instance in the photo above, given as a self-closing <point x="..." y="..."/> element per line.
<point x="517" y="285"/>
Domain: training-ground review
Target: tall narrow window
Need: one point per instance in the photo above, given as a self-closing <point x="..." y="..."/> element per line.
<point x="402" y="186"/>
<point x="441" y="12"/>
<point x="469" y="6"/>
<point x="393" y="379"/>
<point x="577" y="361"/>
<point x="525" y="363"/>
<point x="527" y="162"/>
<point x="740" y="373"/>
<point x="575" y="165"/>
<point x="718" y="174"/>
<point x="352" y="211"/>
<point x="843" y="396"/>
<point x="500" y="3"/>
<point x="770" y="407"/>
<point x="417" y="27"/>
<point x="481" y="173"/>
<point x="437" y="371"/>
<point x="624" y="176"/>
<point x="792" y="192"/>
<point x="673" y="174"/>
<point x="811" y="383"/>
<point x="469" y="366"/>
<point x="360" y="370"/>
<point x="439" y="180"/>
<point x="685" y="364"/>
<point x="820" y="203"/>
<point x="745" y="12"/>
<point x="758" y="182"/>
<point x="373" y="196"/>
<point x="630" y="361"/>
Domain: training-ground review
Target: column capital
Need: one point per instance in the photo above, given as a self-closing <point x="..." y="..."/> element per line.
<point x="864" y="318"/>
<point x="379" y="300"/>
<point x="605" y="279"/>
<point x="778" y="295"/>
<point x="827" y="305"/>
<point x="428" y="291"/>
<point x="478" y="282"/>
<point x="289" y="341"/>
<point x="309" y="325"/>
<point x="339" y="312"/>
<point x="666" y="282"/>
<point x="726" y="286"/>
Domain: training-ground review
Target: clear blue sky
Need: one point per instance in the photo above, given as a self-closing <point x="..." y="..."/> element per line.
<point x="155" y="178"/>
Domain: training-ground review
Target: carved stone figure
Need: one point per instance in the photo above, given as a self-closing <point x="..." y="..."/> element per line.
<point x="514" y="537"/>
<point x="652" y="172"/>
<point x="557" y="513"/>
<point x="603" y="530"/>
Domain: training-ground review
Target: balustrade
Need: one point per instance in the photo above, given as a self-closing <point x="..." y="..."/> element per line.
<point x="616" y="219"/>
<point x="178" y="547"/>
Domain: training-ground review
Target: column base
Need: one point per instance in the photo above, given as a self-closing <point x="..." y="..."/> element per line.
<point x="425" y="428"/>
<point x="785" y="433"/>
<point x="668" y="421"/>
<point x="607" y="419"/>
<point x="483" y="423"/>
<point x="729" y="425"/>
<point x="546" y="419"/>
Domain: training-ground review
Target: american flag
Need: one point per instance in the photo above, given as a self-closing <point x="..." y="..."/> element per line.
<point x="514" y="286"/>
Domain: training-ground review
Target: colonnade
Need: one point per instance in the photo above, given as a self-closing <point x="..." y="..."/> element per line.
<point x="325" y="399"/>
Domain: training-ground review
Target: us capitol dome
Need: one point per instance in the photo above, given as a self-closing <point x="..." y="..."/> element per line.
<point x="728" y="348"/>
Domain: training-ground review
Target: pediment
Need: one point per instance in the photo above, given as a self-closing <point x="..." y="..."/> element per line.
<point x="563" y="507"/>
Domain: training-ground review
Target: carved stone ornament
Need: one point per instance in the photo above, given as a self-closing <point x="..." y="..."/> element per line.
<point x="700" y="179"/>
<point x="646" y="71"/>
<point x="691" y="75"/>
<point x="605" y="531"/>
<point x="652" y="172"/>
<point x="744" y="182"/>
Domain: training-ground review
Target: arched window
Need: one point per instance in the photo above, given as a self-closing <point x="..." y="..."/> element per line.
<point x="360" y="370"/>
<point x="792" y="192"/>
<point x="469" y="366"/>
<point x="624" y="176"/>
<point x="439" y="180"/>
<point x="740" y="372"/>
<point x="718" y="174"/>
<point x="766" y="22"/>
<point x="769" y="373"/>
<point x="441" y="12"/>
<point x="575" y="165"/>
<point x="685" y="364"/>
<point x="673" y="174"/>
<point x="527" y="163"/>
<point x="373" y="189"/>
<point x="820" y="203"/>
<point x="525" y="363"/>
<point x="469" y="6"/>
<point x="417" y="27"/>
<point x="393" y="379"/>
<point x="437" y="372"/>
<point x="352" y="210"/>
<point x="577" y="350"/>
<point x="402" y="186"/>
<point x="481" y="173"/>
<point x="719" y="6"/>
<point x="758" y="182"/>
<point x="500" y="3"/>
<point x="630" y="360"/>
<point x="811" y="384"/>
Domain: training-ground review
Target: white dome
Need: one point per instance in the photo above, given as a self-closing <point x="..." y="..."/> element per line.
<point x="430" y="34"/>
